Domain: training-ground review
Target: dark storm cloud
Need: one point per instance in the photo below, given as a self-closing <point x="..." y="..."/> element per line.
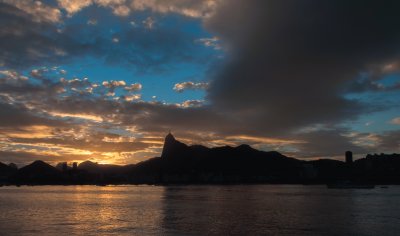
<point x="289" y="60"/>
<point x="160" y="117"/>
<point x="327" y="143"/>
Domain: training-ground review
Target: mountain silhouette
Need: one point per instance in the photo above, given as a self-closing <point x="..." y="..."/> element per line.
<point x="92" y="167"/>
<point x="5" y="168"/>
<point x="6" y="172"/>
<point x="196" y="164"/>
<point x="38" y="172"/>
<point x="180" y="163"/>
<point x="173" y="148"/>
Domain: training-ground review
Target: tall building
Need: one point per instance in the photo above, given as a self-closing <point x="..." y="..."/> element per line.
<point x="349" y="157"/>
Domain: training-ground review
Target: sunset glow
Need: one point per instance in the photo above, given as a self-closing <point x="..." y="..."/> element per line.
<point x="107" y="80"/>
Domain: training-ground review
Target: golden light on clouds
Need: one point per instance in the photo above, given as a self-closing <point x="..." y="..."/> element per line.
<point x="79" y="116"/>
<point x="36" y="131"/>
<point x="246" y="138"/>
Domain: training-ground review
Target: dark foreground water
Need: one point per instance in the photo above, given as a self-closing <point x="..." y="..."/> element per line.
<point x="198" y="210"/>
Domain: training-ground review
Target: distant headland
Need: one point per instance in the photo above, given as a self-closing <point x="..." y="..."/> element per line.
<point x="196" y="164"/>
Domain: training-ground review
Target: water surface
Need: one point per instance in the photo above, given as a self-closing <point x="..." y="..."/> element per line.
<point x="198" y="210"/>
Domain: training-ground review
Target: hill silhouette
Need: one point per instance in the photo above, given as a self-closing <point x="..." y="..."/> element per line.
<point x="180" y="163"/>
<point x="6" y="172"/>
<point x="93" y="167"/>
<point x="183" y="164"/>
<point x="5" y="168"/>
<point x="38" y="172"/>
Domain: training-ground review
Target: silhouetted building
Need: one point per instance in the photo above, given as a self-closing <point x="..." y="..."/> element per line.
<point x="349" y="157"/>
<point x="75" y="165"/>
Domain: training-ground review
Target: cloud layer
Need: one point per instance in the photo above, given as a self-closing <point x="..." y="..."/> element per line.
<point x="293" y="77"/>
<point x="290" y="60"/>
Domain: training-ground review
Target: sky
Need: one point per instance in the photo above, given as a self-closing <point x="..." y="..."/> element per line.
<point x="106" y="80"/>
